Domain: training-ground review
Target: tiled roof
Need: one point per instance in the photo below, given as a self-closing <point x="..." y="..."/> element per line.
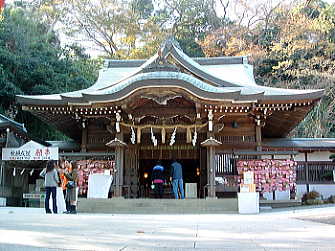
<point x="7" y="122"/>
<point x="307" y="143"/>
<point x="211" y="78"/>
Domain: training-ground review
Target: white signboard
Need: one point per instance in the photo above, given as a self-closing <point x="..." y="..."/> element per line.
<point x="30" y="151"/>
<point x="248" y="178"/>
<point x="99" y="185"/>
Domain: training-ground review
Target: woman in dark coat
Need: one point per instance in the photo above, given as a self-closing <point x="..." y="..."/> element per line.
<point x="71" y="191"/>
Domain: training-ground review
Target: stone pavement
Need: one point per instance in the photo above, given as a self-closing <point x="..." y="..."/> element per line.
<point x="31" y="229"/>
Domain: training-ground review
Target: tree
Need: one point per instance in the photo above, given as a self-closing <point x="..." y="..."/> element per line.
<point x="291" y="46"/>
<point x="301" y="56"/>
<point x="133" y="28"/>
<point x="32" y="62"/>
<point x="189" y="21"/>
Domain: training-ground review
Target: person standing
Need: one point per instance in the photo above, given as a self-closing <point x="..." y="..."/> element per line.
<point x="158" y="179"/>
<point x="71" y="187"/>
<point x="51" y="181"/>
<point x="177" y="180"/>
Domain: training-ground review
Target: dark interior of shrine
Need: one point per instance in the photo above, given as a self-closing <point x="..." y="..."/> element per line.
<point x="191" y="174"/>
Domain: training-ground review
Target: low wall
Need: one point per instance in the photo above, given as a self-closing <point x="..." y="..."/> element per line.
<point x="279" y="195"/>
<point x="325" y="190"/>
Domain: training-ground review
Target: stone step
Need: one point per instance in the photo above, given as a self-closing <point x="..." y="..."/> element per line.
<point x="157" y="206"/>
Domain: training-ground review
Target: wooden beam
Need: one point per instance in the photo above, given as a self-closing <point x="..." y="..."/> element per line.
<point x="164" y="111"/>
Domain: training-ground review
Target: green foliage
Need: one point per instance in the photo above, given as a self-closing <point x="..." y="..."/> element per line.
<point x="34" y="63"/>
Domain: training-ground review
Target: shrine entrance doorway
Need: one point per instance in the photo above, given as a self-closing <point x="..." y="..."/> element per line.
<point x="191" y="174"/>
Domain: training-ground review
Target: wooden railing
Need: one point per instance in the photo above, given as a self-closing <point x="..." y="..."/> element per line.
<point x="310" y="172"/>
<point x="315" y="172"/>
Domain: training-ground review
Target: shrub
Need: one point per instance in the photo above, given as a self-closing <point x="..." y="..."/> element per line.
<point x="331" y="199"/>
<point x="311" y="198"/>
<point x="314" y="202"/>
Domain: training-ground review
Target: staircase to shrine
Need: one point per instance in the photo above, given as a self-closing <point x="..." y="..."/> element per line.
<point x="157" y="206"/>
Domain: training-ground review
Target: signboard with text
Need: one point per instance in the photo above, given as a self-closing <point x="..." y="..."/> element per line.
<point x="30" y="151"/>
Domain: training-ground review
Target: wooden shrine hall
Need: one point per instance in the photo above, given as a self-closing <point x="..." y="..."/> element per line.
<point x="200" y="111"/>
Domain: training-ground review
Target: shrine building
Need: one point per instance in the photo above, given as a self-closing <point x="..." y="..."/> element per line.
<point x="204" y="112"/>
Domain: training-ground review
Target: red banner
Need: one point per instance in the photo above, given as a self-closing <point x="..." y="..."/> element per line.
<point x="2" y="4"/>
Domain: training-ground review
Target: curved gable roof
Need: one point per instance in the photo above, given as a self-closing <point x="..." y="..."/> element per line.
<point x="212" y="78"/>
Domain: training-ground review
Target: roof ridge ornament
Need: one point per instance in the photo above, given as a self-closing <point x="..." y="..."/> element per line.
<point x="161" y="63"/>
<point x="166" y="48"/>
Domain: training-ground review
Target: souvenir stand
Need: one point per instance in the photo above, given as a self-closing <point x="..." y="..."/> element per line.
<point x="33" y="151"/>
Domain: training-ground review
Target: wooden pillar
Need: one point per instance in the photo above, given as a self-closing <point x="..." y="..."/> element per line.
<point x="306" y="172"/>
<point x="258" y="138"/>
<point x="211" y="171"/>
<point x="84" y="139"/>
<point x="211" y="144"/>
<point x="119" y="146"/>
<point x="119" y="161"/>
